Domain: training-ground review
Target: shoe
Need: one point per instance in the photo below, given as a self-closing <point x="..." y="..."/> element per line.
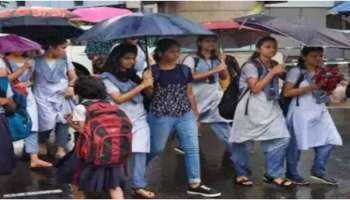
<point x="299" y="181"/>
<point x="324" y="179"/>
<point x="203" y="191"/>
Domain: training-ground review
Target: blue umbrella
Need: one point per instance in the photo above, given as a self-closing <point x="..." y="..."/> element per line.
<point x="143" y="26"/>
<point x="341" y="8"/>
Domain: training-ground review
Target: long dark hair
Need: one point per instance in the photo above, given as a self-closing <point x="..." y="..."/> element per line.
<point x="52" y="42"/>
<point x="214" y="53"/>
<point x="112" y="65"/>
<point x="162" y="46"/>
<point x="304" y="52"/>
<point x="259" y="44"/>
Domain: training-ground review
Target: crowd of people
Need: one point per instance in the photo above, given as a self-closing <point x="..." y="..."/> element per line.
<point x="174" y="95"/>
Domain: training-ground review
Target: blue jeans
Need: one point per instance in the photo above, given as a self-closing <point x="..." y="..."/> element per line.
<point x="31" y="143"/>
<point x="187" y="133"/>
<point x="274" y="151"/>
<point x="138" y="164"/>
<point x="61" y="133"/>
<point x="322" y="154"/>
<point x="222" y="131"/>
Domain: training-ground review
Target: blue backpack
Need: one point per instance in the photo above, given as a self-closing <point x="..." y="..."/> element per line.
<point x="19" y="122"/>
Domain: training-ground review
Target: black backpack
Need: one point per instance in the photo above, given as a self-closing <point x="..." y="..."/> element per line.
<point x="285" y="101"/>
<point x="232" y="95"/>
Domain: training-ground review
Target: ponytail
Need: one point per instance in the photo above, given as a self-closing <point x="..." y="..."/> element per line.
<point x="254" y="56"/>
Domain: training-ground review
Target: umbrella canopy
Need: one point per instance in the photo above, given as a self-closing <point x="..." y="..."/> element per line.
<point x="98" y="14"/>
<point x="37" y="12"/>
<point x="37" y="28"/>
<point x="143" y="26"/>
<point x="341" y="8"/>
<point x="138" y="25"/>
<point x="14" y="43"/>
<point x="297" y="30"/>
<point x="231" y="34"/>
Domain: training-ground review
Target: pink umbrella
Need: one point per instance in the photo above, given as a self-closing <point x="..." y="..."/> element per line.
<point x="98" y="14"/>
<point x="14" y="43"/>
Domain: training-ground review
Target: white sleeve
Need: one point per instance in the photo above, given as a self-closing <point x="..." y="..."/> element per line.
<point x="110" y="87"/>
<point x="189" y="61"/>
<point x="2" y="63"/>
<point x="79" y="113"/>
<point x="70" y="62"/>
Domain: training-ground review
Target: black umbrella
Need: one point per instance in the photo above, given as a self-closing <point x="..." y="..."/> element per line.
<point x="39" y="28"/>
<point x="144" y="27"/>
<point x="307" y="34"/>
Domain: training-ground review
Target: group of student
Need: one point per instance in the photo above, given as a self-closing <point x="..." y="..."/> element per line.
<point x="182" y="96"/>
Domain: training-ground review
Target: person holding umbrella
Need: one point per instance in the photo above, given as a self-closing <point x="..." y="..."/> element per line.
<point x="21" y="68"/>
<point x="309" y="122"/>
<point x="53" y="91"/>
<point x="173" y="106"/>
<point x="208" y="67"/>
<point x="125" y="88"/>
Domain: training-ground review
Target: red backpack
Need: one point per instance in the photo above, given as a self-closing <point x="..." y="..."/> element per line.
<point x="106" y="140"/>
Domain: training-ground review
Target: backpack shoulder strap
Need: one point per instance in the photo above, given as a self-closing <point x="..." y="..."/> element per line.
<point x="8" y="64"/>
<point x="195" y="60"/>
<point x="155" y="71"/>
<point x="300" y="78"/>
<point x="185" y="70"/>
<point x="258" y="66"/>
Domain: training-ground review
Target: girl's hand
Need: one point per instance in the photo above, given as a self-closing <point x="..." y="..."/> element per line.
<point x="27" y="64"/>
<point x="279" y="69"/>
<point x="68" y="117"/>
<point x="3" y="101"/>
<point x="28" y="83"/>
<point x="147" y="74"/>
<point x="147" y="82"/>
<point x="222" y="57"/>
<point x="70" y="92"/>
<point x="313" y="87"/>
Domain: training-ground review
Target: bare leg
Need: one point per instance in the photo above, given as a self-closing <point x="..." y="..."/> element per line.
<point x="116" y="193"/>
<point x="35" y="161"/>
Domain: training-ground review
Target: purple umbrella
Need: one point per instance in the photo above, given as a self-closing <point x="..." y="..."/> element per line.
<point x="15" y="43"/>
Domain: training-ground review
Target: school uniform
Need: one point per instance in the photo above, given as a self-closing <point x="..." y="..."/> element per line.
<point x="141" y="132"/>
<point x="89" y="177"/>
<point x="208" y="96"/>
<point x="31" y="142"/>
<point x="258" y="117"/>
<point x="51" y="83"/>
<point x="310" y="125"/>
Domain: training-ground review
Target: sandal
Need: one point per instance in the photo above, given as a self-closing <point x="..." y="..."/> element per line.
<point x="283" y="183"/>
<point x="244" y="181"/>
<point x="142" y="193"/>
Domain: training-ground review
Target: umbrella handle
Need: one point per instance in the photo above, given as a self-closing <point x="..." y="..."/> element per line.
<point x="146" y="52"/>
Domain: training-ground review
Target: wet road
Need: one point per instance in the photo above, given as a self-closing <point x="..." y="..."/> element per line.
<point x="167" y="177"/>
